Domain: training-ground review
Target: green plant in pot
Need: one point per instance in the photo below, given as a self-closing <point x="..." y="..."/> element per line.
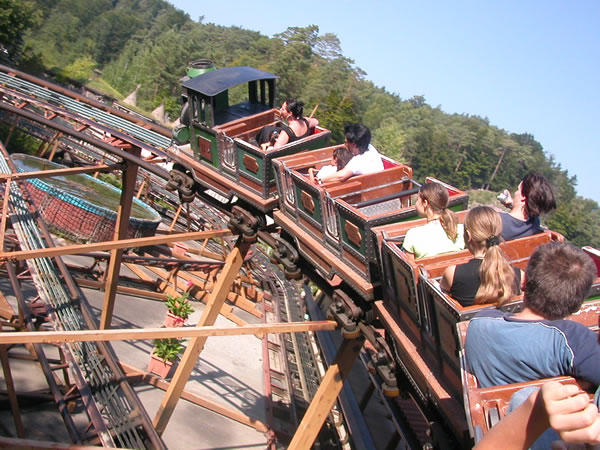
<point x="178" y="310"/>
<point x="165" y="353"/>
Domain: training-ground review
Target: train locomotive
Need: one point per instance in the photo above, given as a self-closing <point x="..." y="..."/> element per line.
<point x="219" y="154"/>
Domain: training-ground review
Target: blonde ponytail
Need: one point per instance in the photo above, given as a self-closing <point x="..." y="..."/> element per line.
<point x="437" y="197"/>
<point x="449" y="221"/>
<point x="496" y="274"/>
<point x="497" y="278"/>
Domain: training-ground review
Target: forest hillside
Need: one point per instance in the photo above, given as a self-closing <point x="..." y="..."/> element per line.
<point x="117" y="46"/>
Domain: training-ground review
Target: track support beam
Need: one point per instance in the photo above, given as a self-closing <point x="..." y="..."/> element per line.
<point x="233" y="264"/>
<point x="326" y="395"/>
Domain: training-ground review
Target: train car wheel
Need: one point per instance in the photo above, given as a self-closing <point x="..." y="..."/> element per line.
<point x="188" y="198"/>
<point x="186" y="191"/>
<point x="172" y="185"/>
<point x="292" y="274"/>
<point x="351" y="334"/>
<point x="390" y="391"/>
<point x="371" y="368"/>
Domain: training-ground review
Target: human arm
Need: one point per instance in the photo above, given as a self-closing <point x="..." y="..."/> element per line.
<point x="409" y="245"/>
<point x="563" y="407"/>
<point x="340" y="175"/>
<point x="447" y="278"/>
<point x="311" y="175"/>
<point x="583" y="347"/>
<point x="519" y="429"/>
<point x="570" y="413"/>
<point x="282" y="139"/>
<point x="409" y="255"/>
<point x="507" y="200"/>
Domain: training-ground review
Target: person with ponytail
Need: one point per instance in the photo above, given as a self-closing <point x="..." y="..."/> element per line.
<point x="442" y="233"/>
<point x="297" y="127"/>
<point x="488" y="278"/>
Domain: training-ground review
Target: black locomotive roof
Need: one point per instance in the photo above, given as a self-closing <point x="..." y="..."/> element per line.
<point x="216" y="81"/>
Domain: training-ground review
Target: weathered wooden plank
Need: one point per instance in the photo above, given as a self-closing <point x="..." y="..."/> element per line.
<point x="111" y="245"/>
<point x="47" y="337"/>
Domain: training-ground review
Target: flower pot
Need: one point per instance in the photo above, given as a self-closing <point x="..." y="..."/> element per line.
<point x="159" y="367"/>
<point x="173" y="321"/>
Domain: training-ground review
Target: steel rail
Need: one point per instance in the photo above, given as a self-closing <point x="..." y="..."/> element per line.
<point x="162" y="173"/>
<point x="148" y="123"/>
<point x="57" y="112"/>
<point x="87" y="108"/>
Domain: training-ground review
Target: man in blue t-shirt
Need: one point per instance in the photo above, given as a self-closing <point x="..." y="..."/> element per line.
<point x="504" y="348"/>
<point x="533" y="197"/>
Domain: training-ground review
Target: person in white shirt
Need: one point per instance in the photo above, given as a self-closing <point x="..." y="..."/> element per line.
<point x="340" y="158"/>
<point x="366" y="157"/>
<point x="442" y="233"/>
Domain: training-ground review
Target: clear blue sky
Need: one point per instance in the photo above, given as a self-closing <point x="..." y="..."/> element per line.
<point x="528" y="66"/>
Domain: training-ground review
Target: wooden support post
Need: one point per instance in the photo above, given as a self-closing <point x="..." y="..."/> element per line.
<point x="328" y="391"/>
<point x="233" y="263"/>
<point x="142" y="187"/>
<point x="4" y="214"/>
<point x="50" y="142"/>
<point x="55" y="146"/>
<point x="10" y="389"/>
<point x="57" y="172"/>
<point x="188" y="217"/>
<point x="101" y="162"/>
<point x="175" y="218"/>
<point x="122" y="289"/>
<point x="130" y="334"/>
<point x="41" y="148"/>
<point x="11" y="131"/>
<point x="122" y="224"/>
<point x="6" y="310"/>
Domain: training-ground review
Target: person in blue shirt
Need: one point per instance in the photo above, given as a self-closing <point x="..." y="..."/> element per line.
<point x="504" y="348"/>
<point x="533" y="197"/>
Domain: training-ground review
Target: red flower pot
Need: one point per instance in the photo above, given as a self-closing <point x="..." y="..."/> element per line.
<point x="159" y="367"/>
<point x="173" y="321"/>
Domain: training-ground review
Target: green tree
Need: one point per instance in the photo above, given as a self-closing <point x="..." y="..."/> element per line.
<point x="81" y="69"/>
<point x="16" y="17"/>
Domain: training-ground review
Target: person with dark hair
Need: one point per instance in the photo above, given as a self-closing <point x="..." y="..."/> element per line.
<point x="298" y="126"/>
<point x="504" y="348"/>
<point x="488" y="278"/>
<point x="442" y="233"/>
<point x="366" y="158"/>
<point x="340" y="157"/>
<point x="533" y="197"/>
